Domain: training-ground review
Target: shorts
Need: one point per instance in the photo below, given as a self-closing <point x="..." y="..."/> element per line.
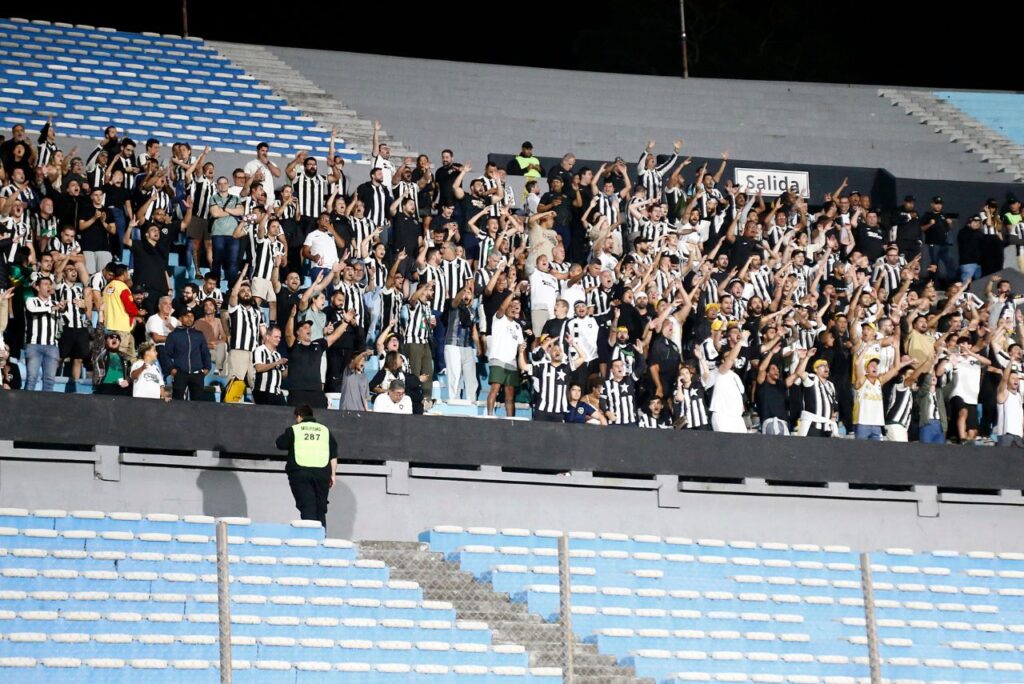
<point x="198" y="228"/>
<point x="74" y="344"/>
<point x="503" y="376"/>
<point x="957" y="403"/>
<point x="263" y="289"/>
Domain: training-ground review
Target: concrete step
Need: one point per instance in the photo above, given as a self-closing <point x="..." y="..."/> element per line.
<point x="510" y="623"/>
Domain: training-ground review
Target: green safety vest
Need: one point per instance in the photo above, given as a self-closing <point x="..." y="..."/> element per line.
<point x="312" y="444"/>
<point x="527" y="165"/>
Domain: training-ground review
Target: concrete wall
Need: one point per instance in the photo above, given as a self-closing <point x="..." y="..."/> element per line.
<point x="362" y="508"/>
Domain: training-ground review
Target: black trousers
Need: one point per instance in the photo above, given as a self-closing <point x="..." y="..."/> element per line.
<point x="310" y="492"/>
<point x="267" y="399"/>
<point x="193" y="382"/>
<point x="314" y="399"/>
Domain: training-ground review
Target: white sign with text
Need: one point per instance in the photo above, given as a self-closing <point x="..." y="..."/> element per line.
<point x="773" y="182"/>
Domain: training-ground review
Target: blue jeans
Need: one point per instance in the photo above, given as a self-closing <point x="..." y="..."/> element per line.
<point x="931" y="433"/>
<point x="440" y="330"/>
<point x="941" y="256"/>
<point x="969" y="272"/>
<point x="44" y="359"/>
<point x="873" y="432"/>
<point x="372" y="301"/>
<point x="225" y="258"/>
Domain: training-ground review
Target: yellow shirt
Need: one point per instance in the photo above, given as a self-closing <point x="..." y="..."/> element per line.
<point x="114" y="316"/>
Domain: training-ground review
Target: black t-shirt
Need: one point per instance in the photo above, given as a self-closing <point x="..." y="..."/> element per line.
<point x="492" y="302"/>
<point x="937" y="234"/>
<point x="115" y="196"/>
<point x="742" y="250"/>
<point x="771" y="401"/>
<point x="445" y="179"/>
<point x="406" y="233"/>
<point x="870" y="241"/>
<point x="969" y="243"/>
<point x="94" y="238"/>
<point x="304" y="365"/>
<point x="666" y="355"/>
<point x="150" y="264"/>
<point x="563" y="212"/>
<point x="566" y="176"/>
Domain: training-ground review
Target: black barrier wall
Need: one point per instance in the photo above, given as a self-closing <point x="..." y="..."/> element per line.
<point x="246" y="431"/>
<point x="886" y="190"/>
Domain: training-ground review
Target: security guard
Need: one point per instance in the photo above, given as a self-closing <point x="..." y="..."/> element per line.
<point x="312" y="462"/>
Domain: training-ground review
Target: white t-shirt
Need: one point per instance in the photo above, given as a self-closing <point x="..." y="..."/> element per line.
<point x="543" y="290"/>
<point x="387" y="168"/>
<point x="383" y="404"/>
<point x="503" y="345"/>
<point x="584" y="332"/>
<point x="968" y="379"/>
<point x="268" y="179"/>
<point x="155" y="324"/>
<point x="573" y="294"/>
<point x="727" y="399"/>
<point x="322" y="243"/>
<point x="147" y="385"/>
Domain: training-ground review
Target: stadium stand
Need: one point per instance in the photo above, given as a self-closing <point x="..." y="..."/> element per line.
<point x="93" y="597"/>
<point x="764" y="612"/>
<point x="146" y="84"/>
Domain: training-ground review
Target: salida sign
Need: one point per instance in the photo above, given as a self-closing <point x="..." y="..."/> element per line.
<point x="773" y="182"/>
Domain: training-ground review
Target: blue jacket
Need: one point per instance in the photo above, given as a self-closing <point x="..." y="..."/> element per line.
<point x="187" y="351"/>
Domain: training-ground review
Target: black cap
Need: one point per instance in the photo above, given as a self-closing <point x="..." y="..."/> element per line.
<point x="937" y="200"/>
<point x="138" y="289"/>
<point x="855" y="192"/>
<point x="909" y="198"/>
<point x="527" y="145"/>
<point x="305" y="321"/>
<point x="1013" y="200"/>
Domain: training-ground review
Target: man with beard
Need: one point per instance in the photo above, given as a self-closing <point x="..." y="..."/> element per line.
<point x="150" y="254"/>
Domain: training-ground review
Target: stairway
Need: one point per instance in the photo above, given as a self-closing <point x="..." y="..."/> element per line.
<point x="307" y="96"/>
<point x="510" y="622"/>
<point x="1002" y="154"/>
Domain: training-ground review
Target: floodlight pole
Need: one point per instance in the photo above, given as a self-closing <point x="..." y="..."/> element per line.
<point x="682" y="37"/>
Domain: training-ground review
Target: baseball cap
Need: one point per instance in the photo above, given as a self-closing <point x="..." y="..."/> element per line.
<point x="819" y="363"/>
<point x="527" y="145"/>
<point x="909" y="198"/>
<point x="937" y="199"/>
<point x="305" y="321"/>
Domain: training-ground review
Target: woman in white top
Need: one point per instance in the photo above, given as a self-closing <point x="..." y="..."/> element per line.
<point x="1010" y="417"/>
<point x="868" y="405"/>
<point x="147" y="378"/>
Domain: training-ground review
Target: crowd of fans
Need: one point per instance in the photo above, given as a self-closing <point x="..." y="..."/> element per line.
<point x="664" y="298"/>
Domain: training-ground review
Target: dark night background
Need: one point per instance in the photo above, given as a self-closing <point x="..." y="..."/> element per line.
<point x="963" y="46"/>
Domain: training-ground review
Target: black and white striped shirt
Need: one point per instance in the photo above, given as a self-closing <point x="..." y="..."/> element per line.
<point x="73" y="315"/>
<point x="94" y="176"/>
<point x="901" y="406"/>
<point x="161" y="200"/>
<point x="311" y="192"/>
<point x="454" y="275"/>
<point x="40" y="321"/>
<point x="268" y="381"/>
<point x="263" y="250"/>
<point x="890" y="275"/>
<point x="353" y="299"/>
<point x="647" y="421"/>
<point x="411" y="190"/>
<point x="391" y="302"/>
<point x="619" y="397"/>
<point x="600" y="300"/>
<point x="377" y="208"/>
<point x="608" y="206"/>
<point x="494" y="208"/>
<point x="694" y="406"/>
<point x="91" y="160"/>
<point x="550" y="383"/>
<point x="653" y="179"/>
<point x="25" y="194"/>
<point x="377" y="272"/>
<point x="361" y="229"/>
<point x="245" y="327"/>
<point x="201" y="190"/>
<point x="432" y="274"/>
<point x="216" y="295"/>
<point x="819" y="397"/>
<point x="124" y="164"/>
<point x="56" y="245"/>
<point x="46" y="152"/>
<point x="419" y="330"/>
<point x="760" y="284"/>
<point x="43" y="227"/>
